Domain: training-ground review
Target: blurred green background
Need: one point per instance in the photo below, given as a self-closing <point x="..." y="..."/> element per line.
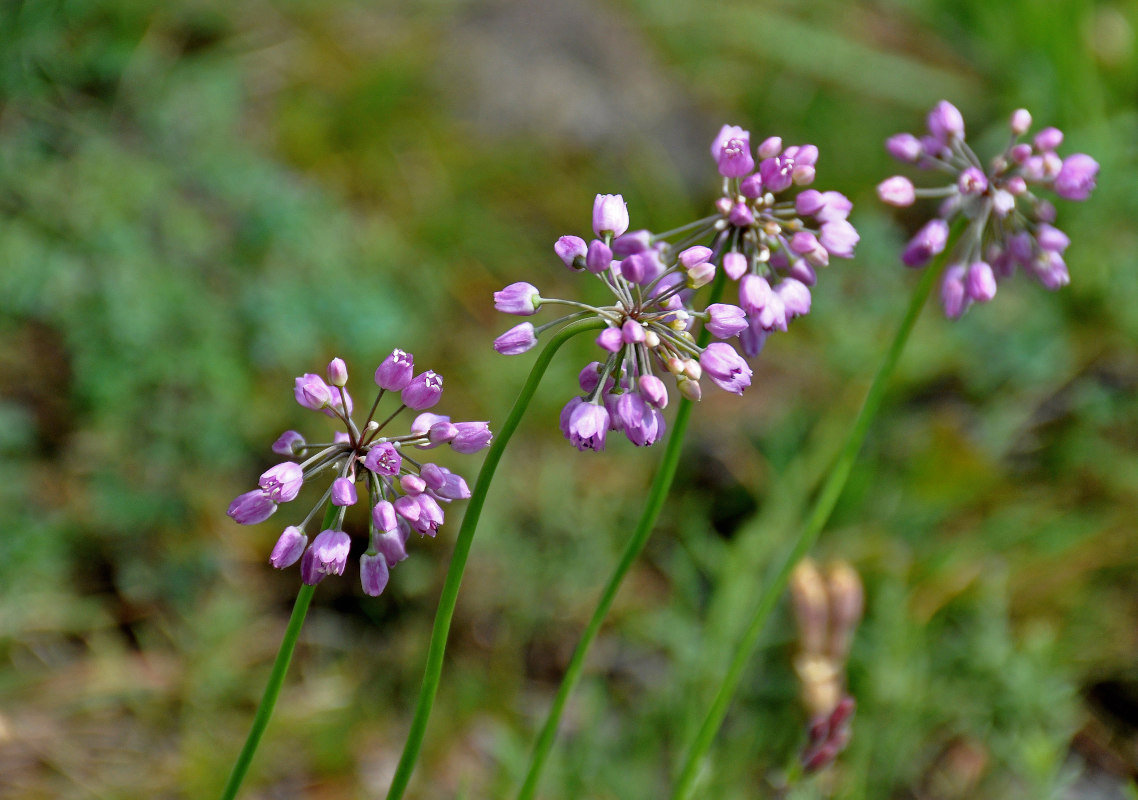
<point x="201" y="200"/>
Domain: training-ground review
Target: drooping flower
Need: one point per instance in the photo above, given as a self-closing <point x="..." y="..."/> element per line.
<point x="404" y="495"/>
<point x="1009" y="227"/>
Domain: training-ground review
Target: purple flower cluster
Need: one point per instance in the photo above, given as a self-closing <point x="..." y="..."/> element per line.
<point x="404" y="494"/>
<point x="1009" y="226"/>
<point x="770" y="246"/>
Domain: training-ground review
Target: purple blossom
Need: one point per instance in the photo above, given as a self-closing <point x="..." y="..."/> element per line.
<point x="392" y="544"/>
<point x="395" y="372"/>
<point x="980" y="282"/>
<point x="641" y="422"/>
<point x="401" y="493"/>
<point x="516" y="340"/>
<point x="734" y="158"/>
<point x="839" y="238"/>
<point x="896" y="191"/>
<point x="761" y="235"/>
<point x="337" y="372"/>
<point x="795" y="297"/>
<point x="610" y="339"/>
<point x="312" y="392"/>
<point x="519" y="298"/>
<point x="282" y="483"/>
<point x="726" y="320"/>
<point x="929" y="241"/>
<point x="383" y="459"/>
<point x="725" y="368"/>
<point x="251" y="508"/>
<point x="610" y="215"/>
<point x="444" y="483"/>
<point x="344" y="492"/>
<point x="327" y="555"/>
<point x="289" y="443"/>
<point x="383" y="516"/>
<point x="373" y="574"/>
<point x="288" y="548"/>
<point x="598" y="259"/>
<point x="1076" y="177"/>
<point x="588" y="423"/>
<point x="953" y="295"/>
<point x="423" y="391"/>
<point x="471" y="437"/>
<point x="440" y="433"/>
<point x="1008" y="223"/>
<point x="571" y="250"/>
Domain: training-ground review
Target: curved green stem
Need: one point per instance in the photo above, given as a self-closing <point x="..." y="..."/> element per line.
<point x="820" y="513"/>
<point x="449" y="597"/>
<point x="276" y="680"/>
<point x="661" y="483"/>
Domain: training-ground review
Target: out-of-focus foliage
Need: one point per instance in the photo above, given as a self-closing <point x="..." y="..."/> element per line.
<point x="200" y="200"/>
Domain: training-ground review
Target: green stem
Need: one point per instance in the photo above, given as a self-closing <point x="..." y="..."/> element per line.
<point x="661" y="483"/>
<point x="823" y="506"/>
<point x="449" y="597"/>
<point x="276" y="680"/>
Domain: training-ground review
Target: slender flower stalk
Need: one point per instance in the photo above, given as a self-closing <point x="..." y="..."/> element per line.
<point x="449" y="598"/>
<point x="661" y="484"/>
<point x="819" y="515"/>
<point x="989" y="225"/>
<point x="276" y="680"/>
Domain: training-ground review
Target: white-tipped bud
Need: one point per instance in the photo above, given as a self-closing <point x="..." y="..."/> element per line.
<point x="1021" y="121"/>
<point x="689" y="388"/>
<point x="692" y="369"/>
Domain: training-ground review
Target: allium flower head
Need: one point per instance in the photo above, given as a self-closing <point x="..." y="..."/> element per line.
<point x="404" y="494"/>
<point x="1008" y="225"/>
<point x="770" y="243"/>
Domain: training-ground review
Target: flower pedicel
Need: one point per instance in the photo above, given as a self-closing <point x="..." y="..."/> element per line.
<point x="404" y="494"/>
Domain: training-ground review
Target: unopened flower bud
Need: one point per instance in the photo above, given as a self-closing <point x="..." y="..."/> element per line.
<point x="516" y="340"/>
<point x="338" y="372"/>
<point x="1021" y="121"/>
<point x="289" y="547"/>
<point x="610" y="339"/>
<point x="735" y="265"/>
<point x="344" y="492"/>
<point x="599" y="257"/>
<point x="251" y="508"/>
<point x="632" y="332"/>
<point x="571" y="250"/>
<point x="383" y="516"/>
<point x="654" y="390"/>
<point x="610" y="215"/>
<point x="689" y="388"/>
<point x="412" y="484"/>
<point x="373" y="574"/>
<point x="897" y="191"/>
<point x="312" y="392"/>
<point x="289" y="443"/>
<point x="521" y="299"/>
<point x="471" y="437"/>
